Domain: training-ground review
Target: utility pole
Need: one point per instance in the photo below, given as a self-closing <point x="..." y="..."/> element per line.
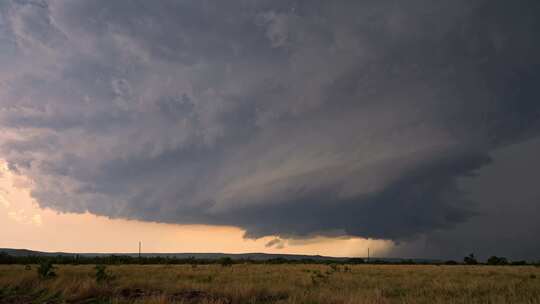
<point x="139" y="250"/>
<point x="368" y="255"/>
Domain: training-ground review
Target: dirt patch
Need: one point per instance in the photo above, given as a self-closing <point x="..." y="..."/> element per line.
<point x="195" y="296"/>
<point x="17" y="296"/>
<point x="16" y="299"/>
<point x="190" y="296"/>
<point x="134" y="294"/>
<point x="24" y="299"/>
<point x="271" y="298"/>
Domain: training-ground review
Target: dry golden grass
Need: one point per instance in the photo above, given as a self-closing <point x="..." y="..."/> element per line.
<point x="213" y="284"/>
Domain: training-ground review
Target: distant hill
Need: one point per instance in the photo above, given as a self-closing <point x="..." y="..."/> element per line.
<point x="26" y="252"/>
<point x="209" y="256"/>
<point x="253" y="256"/>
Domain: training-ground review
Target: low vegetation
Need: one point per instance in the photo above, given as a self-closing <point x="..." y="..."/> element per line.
<point x="270" y="283"/>
<point x="45" y="270"/>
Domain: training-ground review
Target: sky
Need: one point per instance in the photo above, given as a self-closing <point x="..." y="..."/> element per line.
<point x="320" y="127"/>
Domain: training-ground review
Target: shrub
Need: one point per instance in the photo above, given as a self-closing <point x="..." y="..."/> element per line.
<point x="470" y="260"/>
<point x="46" y="270"/>
<point x="450" y="262"/>
<point x="226" y="261"/>
<point x="317" y="277"/>
<point x="494" y="260"/>
<point x="101" y="274"/>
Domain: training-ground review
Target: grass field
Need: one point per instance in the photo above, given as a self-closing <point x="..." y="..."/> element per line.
<point x="274" y="284"/>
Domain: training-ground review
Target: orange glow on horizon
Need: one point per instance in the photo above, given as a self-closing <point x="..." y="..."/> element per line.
<point x="23" y="224"/>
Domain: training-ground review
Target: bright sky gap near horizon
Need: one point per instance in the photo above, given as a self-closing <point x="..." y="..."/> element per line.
<point x="312" y="127"/>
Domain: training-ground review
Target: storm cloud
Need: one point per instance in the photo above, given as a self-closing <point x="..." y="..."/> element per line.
<point x="284" y="118"/>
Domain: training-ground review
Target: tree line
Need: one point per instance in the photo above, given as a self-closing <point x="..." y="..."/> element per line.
<point x="172" y="260"/>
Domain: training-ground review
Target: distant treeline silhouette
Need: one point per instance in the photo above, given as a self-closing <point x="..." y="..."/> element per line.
<point x="144" y="260"/>
<point x="225" y="261"/>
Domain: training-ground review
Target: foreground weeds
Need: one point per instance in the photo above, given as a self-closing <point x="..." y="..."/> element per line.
<point x="215" y="284"/>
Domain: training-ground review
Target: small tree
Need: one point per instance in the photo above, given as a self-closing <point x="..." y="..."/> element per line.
<point x="470" y="260"/>
<point x="494" y="260"/>
<point x="226" y="261"/>
<point x="46" y="270"/>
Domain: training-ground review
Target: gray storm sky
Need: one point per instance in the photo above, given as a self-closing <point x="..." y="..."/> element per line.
<point x="415" y="122"/>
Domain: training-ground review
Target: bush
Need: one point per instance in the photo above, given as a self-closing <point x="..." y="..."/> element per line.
<point x="226" y="261"/>
<point x="450" y="262"/>
<point x="470" y="260"/>
<point x="101" y="274"/>
<point x="494" y="260"/>
<point x="46" y="270"/>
